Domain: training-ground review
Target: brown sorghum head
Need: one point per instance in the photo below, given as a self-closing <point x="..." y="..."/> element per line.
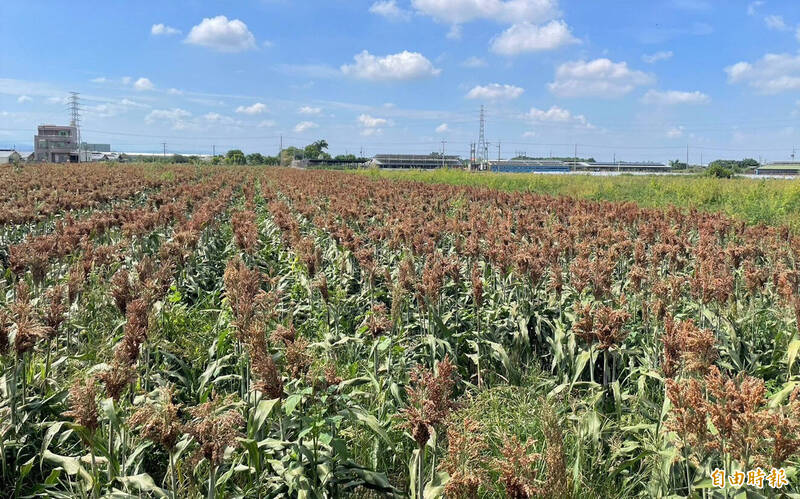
<point x="83" y="404"/>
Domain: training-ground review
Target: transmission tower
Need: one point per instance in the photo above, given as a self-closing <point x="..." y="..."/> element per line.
<point x="483" y="146"/>
<point x="75" y="115"/>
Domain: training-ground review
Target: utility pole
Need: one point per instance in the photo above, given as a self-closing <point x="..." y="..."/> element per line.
<point x="483" y="146"/>
<point x="687" y="155"/>
<point x="164" y="144"/>
<point x="444" y="142"/>
<point x="213" y="151"/>
<point x="498" y="150"/>
<point x="575" y="157"/>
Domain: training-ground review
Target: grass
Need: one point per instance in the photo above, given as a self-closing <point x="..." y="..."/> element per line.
<point x="762" y="201"/>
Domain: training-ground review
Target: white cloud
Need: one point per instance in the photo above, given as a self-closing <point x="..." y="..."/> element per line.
<point x="527" y="37"/>
<point x="495" y="91"/>
<point x="220" y="119"/>
<point x="304" y="126"/>
<point x="23" y="98"/>
<point x="474" y="62"/>
<point x="256" y="108"/>
<point x="455" y="32"/>
<point x="508" y="11"/>
<point x="772" y="74"/>
<point x="658" y="56"/>
<point x="174" y="91"/>
<point x="443" y="128"/>
<point x="126" y="80"/>
<point x="671" y="97"/>
<point x="752" y="6"/>
<point x="597" y="78"/>
<point x="163" y="29"/>
<point x="775" y="23"/>
<point x="130" y="103"/>
<point x="143" y="84"/>
<point x="557" y="115"/>
<point x="390" y="10"/>
<point x="675" y="132"/>
<point x="175" y="117"/>
<point x="266" y="124"/>
<point x="529" y="134"/>
<point x="797" y="34"/>
<point x="309" y="110"/>
<point x="223" y="35"/>
<point x="99" y="79"/>
<point x="370" y="122"/>
<point x="401" y="66"/>
<point x="371" y="125"/>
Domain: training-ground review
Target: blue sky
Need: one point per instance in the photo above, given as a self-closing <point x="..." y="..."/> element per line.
<point x="626" y="79"/>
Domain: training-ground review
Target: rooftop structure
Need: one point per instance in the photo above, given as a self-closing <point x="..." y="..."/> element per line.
<point x="779" y="168"/>
<point x="10" y="156"/>
<point x="416" y="161"/>
<point x="95" y="147"/>
<point x="529" y="166"/>
<point x="56" y="144"/>
<point x="619" y="166"/>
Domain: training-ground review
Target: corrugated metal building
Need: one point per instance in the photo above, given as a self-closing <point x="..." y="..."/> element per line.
<point x="416" y="161"/>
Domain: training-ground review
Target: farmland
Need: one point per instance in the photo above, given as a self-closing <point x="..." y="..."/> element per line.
<point x="767" y="201"/>
<point x="262" y="332"/>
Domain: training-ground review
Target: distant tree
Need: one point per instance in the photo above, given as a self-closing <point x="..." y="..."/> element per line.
<point x="289" y="154"/>
<point x="216" y="160"/>
<point x="716" y="169"/>
<point x="345" y="157"/>
<point x="177" y="158"/>
<point x="255" y="159"/>
<point x="271" y="160"/>
<point x="734" y="165"/>
<point x="676" y="164"/>
<point x="316" y="150"/>
<point x="235" y="157"/>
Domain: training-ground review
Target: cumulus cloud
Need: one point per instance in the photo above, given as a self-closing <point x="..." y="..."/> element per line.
<point x="23" y="98"/>
<point x="143" y="84"/>
<point x="527" y="37"/>
<point x="99" y="79"/>
<point x="509" y="11"/>
<point x="776" y="23"/>
<point x="658" y="56"/>
<point x="175" y="117"/>
<point x="371" y="122"/>
<point x="557" y="115"/>
<point x="443" y="128"/>
<point x="495" y="91"/>
<point x="671" y="97"/>
<point x="304" y="126"/>
<point x="163" y="29"/>
<point x="753" y="6"/>
<point x="390" y="10"/>
<point x="266" y="124"/>
<point x="474" y="62"/>
<point x="675" y="132"/>
<point x="371" y="125"/>
<point x="223" y="35"/>
<point x="597" y="78"/>
<point x="401" y="66"/>
<point x="309" y="110"/>
<point x="772" y="74"/>
<point x="256" y="108"/>
<point x="174" y="91"/>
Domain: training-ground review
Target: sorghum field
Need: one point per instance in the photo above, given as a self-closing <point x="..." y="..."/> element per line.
<point x="193" y="331"/>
